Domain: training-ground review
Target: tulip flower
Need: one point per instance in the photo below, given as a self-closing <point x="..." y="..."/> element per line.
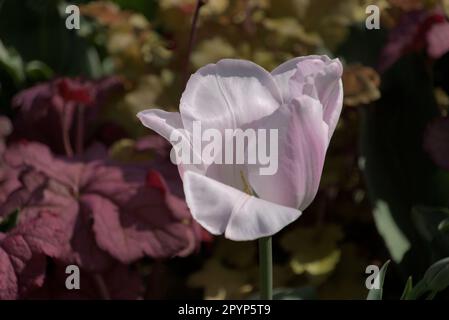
<point x="302" y="98"/>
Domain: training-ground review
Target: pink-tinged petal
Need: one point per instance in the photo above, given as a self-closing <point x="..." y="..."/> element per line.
<point x="222" y="209"/>
<point x="302" y="145"/>
<point x="320" y="78"/>
<point x="162" y="122"/>
<point x="210" y="202"/>
<point x="438" y="40"/>
<point x="228" y="95"/>
<point x="169" y="125"/>
<point x="285" y="71"/>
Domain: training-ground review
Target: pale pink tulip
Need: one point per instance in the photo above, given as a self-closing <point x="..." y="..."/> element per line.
<point x="301" y="98"/>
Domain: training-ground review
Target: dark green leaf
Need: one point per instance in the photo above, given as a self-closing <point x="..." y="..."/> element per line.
<point x="10" y="221"/>
<point x="12" y="63"/>
<point x="37" y="70"/>
<point x="408" y="288"/>
<point x="436" y="277"/>
<point x="444" y="226"/>
<point x="376" y="294"/>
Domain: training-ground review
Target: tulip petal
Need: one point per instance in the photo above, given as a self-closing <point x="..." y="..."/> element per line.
<point x="285" y="71"/>
<point x="229" y="94"/>
<point x="166" y="124"/>
<point x="223" y="209"/>
<point x="162" y="122"/>
<point x="302" y="145"/>
<point x="320" y="78"/>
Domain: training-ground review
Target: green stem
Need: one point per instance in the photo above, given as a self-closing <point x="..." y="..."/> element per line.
<point x="266" y="269"/>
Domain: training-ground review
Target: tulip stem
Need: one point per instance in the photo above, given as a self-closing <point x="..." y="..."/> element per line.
<point x="266" y="268"/>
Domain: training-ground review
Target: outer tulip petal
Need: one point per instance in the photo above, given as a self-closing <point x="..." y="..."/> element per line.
<point x="285" y="71"/>
<point x="320" y="78"/>
<point x="223" y="209"/>
<point x="303" y="141"/>
<point x="165" y="123"/>
<point x="228" y="95"/>
<point x="162" y="122"/>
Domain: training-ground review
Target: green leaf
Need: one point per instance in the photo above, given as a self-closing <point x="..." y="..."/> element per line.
<point x="444" y="226"/>
<point x="436" y="277"/>
<point x="376" y="294"/>
<point x="10" y="221"/>
<point x="417" y="291"/>
<point x="408" y="289"/>
<point x="428" y="222"/>
<point x="37" y="70"/>
<point x="12" y="63"/>
<point x="48" y="40"/>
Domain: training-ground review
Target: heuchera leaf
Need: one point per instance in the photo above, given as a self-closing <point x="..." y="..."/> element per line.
<point x="41" y="107"/>
<point x="23" y="254"/>
<point x="108" y="211"/>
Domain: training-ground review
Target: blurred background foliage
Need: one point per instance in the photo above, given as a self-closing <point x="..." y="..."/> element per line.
<point x="385" y="187"/>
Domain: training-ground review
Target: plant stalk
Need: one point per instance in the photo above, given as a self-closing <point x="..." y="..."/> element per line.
<point x="80" y="130"/>
<point x="66" y="133"/>
<point x="192" y="37"/>
<point x="266" y="268"/>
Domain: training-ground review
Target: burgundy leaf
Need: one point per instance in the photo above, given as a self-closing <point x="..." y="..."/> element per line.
<point x="44" y="107"/>
<point x="108" y="211"/>
<point x="23" y="254"/>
